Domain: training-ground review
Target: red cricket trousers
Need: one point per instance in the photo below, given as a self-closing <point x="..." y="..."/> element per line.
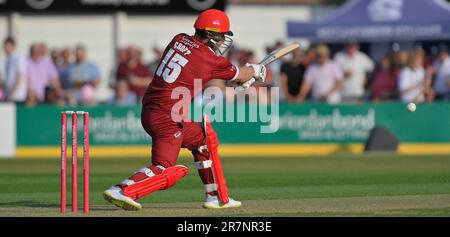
<point x="168" y="137"/>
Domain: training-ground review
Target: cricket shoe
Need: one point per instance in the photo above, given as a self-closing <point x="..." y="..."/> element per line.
<point x="212" y="202"/>
<point x="115" y="196"/>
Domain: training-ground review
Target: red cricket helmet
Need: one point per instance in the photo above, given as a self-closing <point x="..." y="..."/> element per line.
<point x="213" y="20"/>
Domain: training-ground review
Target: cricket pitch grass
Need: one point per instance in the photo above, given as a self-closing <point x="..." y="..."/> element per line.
<point x="341" y="185"/>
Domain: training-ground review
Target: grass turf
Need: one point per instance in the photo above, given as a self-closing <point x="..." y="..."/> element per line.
<point x="369" y="185"/>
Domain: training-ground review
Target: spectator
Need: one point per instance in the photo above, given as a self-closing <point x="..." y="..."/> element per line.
<point x="291" y="77"/>
<point x="355" y="65"/>
<point x="122" y="55"/>
<point x="134" y="72"/>
<point x="323" y="79"/>
<point x="41" y="72"/>
<point x="13" y="81"/>
<point x="310" y="56"/>
<point x="84" y="76"/>
<point x="442" y="73"/>
<point x="55" y="55"/>
<point x="401" y="59"/>
<point x="53" y="96"/>
<point x="63" y="68"/>
<point x="384" y="86"/>
<point x="123" y="96"/>
<point x="87" y="95"/>
<point x="413" y="84"/>
<point x="43" y="48"/>
<point x="152" y="66"/>
<point x="122" y="58"/>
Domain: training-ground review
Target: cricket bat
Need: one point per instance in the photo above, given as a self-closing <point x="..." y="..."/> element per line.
<point x="279" y="53"/>
<point x="272" y="57"/>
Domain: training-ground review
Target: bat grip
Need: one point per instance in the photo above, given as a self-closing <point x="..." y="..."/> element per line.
<point x="249" y="82"/>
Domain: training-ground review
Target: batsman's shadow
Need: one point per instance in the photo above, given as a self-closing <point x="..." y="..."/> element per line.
<point x="174" y="207"/>
<point x="112" y="208"/>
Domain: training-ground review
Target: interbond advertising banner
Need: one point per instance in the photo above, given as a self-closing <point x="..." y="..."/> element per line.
<point x="304" y="123"/>
<point x="320" y="123"/>
<point x="41" y="126"/>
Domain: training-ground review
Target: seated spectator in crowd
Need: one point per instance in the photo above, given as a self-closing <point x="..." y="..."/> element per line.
<point x="41" y="72"/>
<point x="54" y="97"/>
<point x="323" y="79"/>
<point x="13" y="81"/>
<point x="401" y="59"/>
<point x="291" y="77"/>
<point x="413" y="84"/>
<point x="84" y="77"/>
<point x="310" y="56"/>
<point x="123" y="96"/>
<point x="63" y="68"/>
<point x="55" y="55"/>
<point x="122" y="55"/>
<point x="88" y="95"/>
<point x="355" y="65"/>
<point x="122" y="59"/>
<point x="442" y="74"/>
<point x="384" y="85"/>
<point x="134" y="72"/>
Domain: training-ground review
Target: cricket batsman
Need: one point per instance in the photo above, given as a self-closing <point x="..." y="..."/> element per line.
<point x="186" y="57"/>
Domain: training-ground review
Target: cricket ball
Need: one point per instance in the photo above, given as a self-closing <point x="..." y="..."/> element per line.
<point x="411" y="107"/>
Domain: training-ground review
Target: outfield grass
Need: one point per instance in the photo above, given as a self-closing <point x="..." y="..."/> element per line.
<point x="371" y="185"/>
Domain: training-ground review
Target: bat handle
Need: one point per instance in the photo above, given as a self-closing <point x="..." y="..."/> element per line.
<point x="249" y="83"/>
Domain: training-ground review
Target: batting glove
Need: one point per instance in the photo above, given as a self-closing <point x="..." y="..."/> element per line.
<point x="260" y="72"/>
